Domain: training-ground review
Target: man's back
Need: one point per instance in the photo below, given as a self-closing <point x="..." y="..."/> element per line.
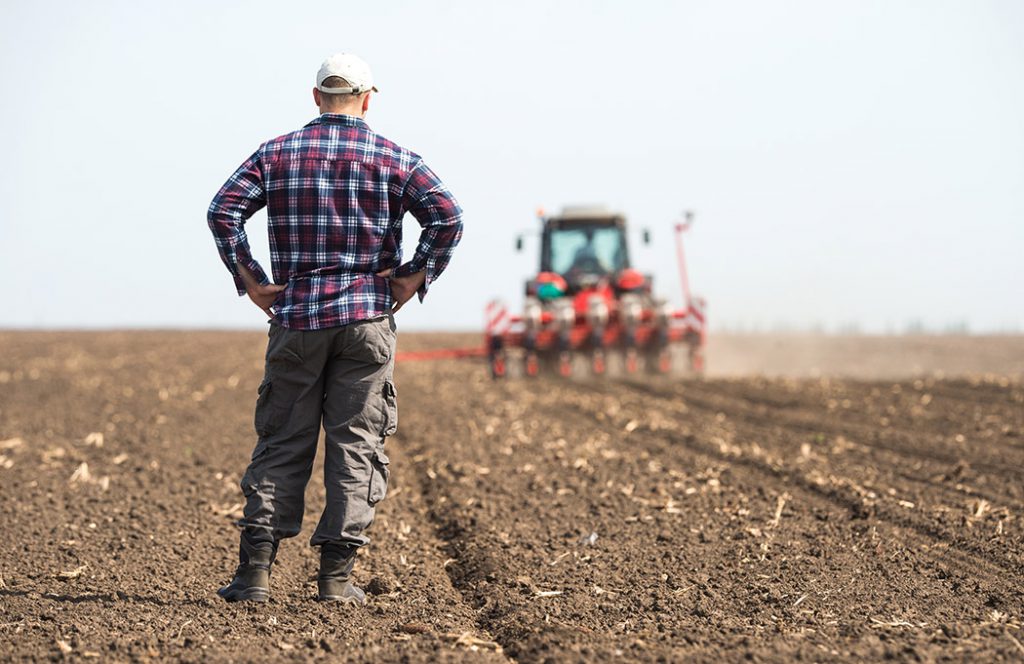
<point x="335" y="193"/>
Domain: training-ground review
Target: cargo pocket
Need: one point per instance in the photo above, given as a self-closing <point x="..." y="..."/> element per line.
<point x="390" y="409"/>
<point x="379" y="474"/>
<point x="284" y="346"/>
<point x="271" y="414"/>
<point x="370" y="341"/>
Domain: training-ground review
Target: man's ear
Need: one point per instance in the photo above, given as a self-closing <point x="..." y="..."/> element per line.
<point x="366" y="102"/>
<point x="316" y="97"/>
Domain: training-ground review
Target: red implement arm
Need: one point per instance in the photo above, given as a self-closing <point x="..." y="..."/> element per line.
<point x="684" y="278"/>
<point x="439" y="354"/>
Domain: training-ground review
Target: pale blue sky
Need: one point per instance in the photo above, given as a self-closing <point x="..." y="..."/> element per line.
<point x="848" y="161"/>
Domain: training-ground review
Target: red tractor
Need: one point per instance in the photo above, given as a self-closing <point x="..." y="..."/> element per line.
<point x="588" y="305"/>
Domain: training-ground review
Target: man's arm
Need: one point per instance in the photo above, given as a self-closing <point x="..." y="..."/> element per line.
<point x="440" y="216"/>
<point x="240" y="197"/>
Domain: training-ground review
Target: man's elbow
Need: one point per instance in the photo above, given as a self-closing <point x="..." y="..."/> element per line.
<point x="213" y="214"/>
<point x="220" y="216"/>
<point x="458" y="218"/>
<point x="454" y="216"/>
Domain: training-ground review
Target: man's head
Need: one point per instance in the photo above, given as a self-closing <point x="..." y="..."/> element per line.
<point x="343" y="85"/>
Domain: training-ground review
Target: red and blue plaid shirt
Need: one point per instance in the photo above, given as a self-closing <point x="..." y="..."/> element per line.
<point x="335" y="194"/>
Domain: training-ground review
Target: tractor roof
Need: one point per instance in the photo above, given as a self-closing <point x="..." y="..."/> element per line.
<point x="586" y="211"/>
<point x="586" y="215"/>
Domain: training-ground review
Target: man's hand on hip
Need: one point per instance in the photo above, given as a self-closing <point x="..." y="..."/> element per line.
<point x="263" y="295"/>
<point x="403" y="288"/>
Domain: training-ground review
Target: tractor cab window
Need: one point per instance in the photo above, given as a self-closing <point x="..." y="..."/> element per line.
<point x="591" y="250"/>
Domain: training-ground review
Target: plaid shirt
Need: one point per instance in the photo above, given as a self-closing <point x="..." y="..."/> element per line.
<point x="335" y="194"/>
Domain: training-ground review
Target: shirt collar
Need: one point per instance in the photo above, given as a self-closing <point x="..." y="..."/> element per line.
<point x="339" y="119"/>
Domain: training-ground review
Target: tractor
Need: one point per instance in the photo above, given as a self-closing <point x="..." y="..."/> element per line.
<point x="588" y="305"/>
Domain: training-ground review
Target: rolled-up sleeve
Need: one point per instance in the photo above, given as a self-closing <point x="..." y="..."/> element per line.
<point x="440" y="217"/>
<point x="241" y="196"/>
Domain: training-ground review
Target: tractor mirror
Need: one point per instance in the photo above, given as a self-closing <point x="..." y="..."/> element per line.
<point x="647" y="236"/>
<point x="519" y="243"/>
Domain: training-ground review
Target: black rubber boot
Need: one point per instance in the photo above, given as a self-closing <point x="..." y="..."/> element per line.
<point x="252" y="578"/>
<point x="336" y="562"/>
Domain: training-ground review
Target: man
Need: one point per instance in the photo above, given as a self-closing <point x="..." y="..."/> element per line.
<point x="335" y="194"/>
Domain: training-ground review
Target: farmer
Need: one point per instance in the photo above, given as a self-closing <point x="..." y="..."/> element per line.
<point x="335" y="194"/>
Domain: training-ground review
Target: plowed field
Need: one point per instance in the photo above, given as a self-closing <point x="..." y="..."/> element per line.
<point x="803" y="517"/>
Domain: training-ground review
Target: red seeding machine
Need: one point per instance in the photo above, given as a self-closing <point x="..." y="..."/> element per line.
<point x="589" y="308"/>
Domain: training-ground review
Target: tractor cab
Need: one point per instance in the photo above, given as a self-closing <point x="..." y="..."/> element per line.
<point x="582" y="248"/>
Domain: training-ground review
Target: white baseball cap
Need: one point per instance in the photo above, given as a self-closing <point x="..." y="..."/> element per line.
<point x="350" y="67"/>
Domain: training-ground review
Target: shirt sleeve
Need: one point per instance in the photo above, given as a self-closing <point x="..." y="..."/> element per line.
<point x="240" y="197"/>
<point x="440" y="217"/>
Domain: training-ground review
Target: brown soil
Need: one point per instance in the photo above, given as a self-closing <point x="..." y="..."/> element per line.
<point x="767" y="519"/>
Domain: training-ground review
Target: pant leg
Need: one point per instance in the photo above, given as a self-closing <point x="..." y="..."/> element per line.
<point x="287" y="420"/>
<point x="360" y="410"/>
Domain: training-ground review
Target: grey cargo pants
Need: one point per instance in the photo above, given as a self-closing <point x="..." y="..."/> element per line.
<point x="341" y="377"/>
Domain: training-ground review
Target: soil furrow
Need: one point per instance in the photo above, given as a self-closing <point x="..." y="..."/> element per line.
<point x="845" y="493"/>
<point x="906" y="443"/>
<point x="1010" y="494"/>
<point x="919" y="446"/>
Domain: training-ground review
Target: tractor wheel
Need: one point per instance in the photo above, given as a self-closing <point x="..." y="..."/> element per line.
<point x="564" y="364"/>
<point x="632" y="362"/>
<point x="498" y="368"/>
<point x="697" y="359"/>
<point x="665" y="360"/>
<point x="532" y="365"/>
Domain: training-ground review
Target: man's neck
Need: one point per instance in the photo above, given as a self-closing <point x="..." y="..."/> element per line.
<point x="344" y="111"/>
